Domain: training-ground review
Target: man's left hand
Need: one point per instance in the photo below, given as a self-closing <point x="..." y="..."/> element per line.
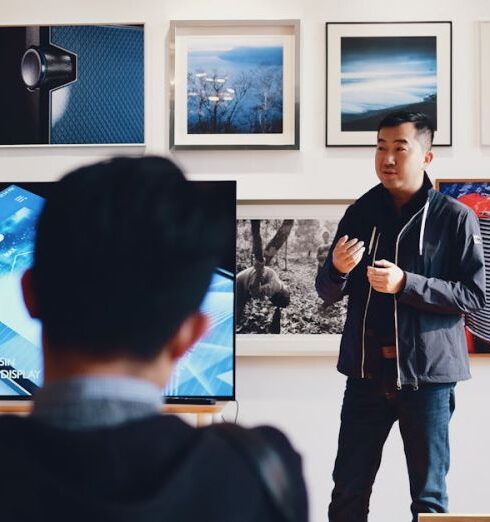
<point x="386" y="277"/>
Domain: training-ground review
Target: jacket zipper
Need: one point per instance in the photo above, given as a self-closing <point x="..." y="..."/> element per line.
<point x="395" y="309"/>
<point x="366" y="309"/>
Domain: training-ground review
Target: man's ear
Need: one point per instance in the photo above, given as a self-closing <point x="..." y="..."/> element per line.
<point x="30" y="298"/>
<point x="188" y="333"/>
<point x="428" y="158"/>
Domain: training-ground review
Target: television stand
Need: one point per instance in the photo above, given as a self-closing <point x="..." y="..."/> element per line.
<point x="204" y="413"/>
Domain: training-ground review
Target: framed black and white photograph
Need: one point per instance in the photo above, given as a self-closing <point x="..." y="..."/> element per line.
<point x="234" y="84"/>
<point x="377" y="68"/>
<point x="475" y="193"/>
<point x="72" y="85"/>
<point x="280" y="247"/>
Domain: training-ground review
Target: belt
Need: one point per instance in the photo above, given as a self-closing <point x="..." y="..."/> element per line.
<point x="388" y="352"/>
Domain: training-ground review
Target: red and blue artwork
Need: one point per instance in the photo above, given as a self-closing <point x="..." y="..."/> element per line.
<point x="475" y="193"/>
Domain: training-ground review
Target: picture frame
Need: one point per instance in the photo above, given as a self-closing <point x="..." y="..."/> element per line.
<point x="234" y="84"/>
<point x="76" y="85"/>
<point x="309" y="238"/>
<point x="446" y="517"/>
<point x="475" y="193"/>
<point x="484" y="82"/>
<point x="374" y="68"/>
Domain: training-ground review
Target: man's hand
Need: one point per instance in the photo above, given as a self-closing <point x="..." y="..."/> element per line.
<point x="347" y="254"/>
<point x="386" y="277"/>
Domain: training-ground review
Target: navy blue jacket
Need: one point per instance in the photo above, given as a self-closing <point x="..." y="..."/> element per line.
<point x="441" y="253"/>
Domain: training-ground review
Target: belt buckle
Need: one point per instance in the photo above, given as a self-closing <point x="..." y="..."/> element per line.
<point x="388" y="352"/>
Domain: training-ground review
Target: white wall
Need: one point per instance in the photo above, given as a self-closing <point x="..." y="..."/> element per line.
<point x="302" y="395"/>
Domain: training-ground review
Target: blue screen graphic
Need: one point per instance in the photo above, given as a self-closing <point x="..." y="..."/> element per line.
<point x="207" y="370"/>
<point x="20" y="336"/>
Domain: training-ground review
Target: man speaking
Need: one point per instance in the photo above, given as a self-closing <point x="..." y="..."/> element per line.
<point x="411" y="261"/>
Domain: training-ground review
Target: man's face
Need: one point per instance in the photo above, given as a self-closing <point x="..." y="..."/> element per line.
<point x="401" y="159"/>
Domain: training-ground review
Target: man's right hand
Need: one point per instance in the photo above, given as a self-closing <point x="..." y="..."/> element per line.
<point x="347" y="254"/>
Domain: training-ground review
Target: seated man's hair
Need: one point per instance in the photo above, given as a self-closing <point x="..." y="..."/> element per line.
<point x="124" y="253"/>
<point x="423" y="124"/>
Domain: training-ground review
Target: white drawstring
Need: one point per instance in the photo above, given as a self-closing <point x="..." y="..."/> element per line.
<point x="371" y="241"/>
<point x="422" y="227"/>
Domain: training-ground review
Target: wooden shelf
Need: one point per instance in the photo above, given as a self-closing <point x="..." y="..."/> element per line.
<point x="25" y="407"/>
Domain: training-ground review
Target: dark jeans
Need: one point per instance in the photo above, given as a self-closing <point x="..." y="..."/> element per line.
<point x="369" y="410"/>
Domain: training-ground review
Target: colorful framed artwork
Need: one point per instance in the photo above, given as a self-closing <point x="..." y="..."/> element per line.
<point x="475" y="193"/>
<point x="280" y="246"/>
<point x="234" y="84"/>
<point x="380" y="67"/>
<point x="72" y="85"/>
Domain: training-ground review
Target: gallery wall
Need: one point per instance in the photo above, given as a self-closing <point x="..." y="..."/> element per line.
<point x="302" y="395"/>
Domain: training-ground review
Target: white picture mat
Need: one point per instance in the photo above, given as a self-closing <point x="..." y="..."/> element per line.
<point x="281" y="35"/>
<point x="289" y="344"/>
<point x="442" y="31"/>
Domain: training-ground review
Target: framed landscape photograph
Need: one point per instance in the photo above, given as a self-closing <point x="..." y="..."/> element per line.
<point x="72" y="85"/>
<point x="377" y="68"/>
<point x="234" y="84"/>
<point x="280" y="247"/>
<point x="475" y="193"/>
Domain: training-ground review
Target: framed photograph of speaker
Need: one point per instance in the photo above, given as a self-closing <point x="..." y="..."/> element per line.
<point x="72" y="85"/>
<point x="475" y="193"/>
<point x="485" y="82"/>
<point x="379" y="67"/>
<point x="280" y="246"/>
<point x="234" y="84"/>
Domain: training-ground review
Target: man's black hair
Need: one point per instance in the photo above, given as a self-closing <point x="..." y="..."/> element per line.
<point x="124" y="252"/>
<point x="423" y="124"/>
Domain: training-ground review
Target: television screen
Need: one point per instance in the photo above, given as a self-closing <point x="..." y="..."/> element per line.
<point x="206" y="371"/>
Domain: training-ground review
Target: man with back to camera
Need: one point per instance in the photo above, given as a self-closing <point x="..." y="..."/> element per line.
<point x="411" y="261"/>
<point x="124" y="255"/>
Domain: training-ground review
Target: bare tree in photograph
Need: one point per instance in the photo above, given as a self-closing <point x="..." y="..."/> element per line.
<point x="248" y="102"/>
<point x="213" y="100"/>
<point x="260" y="281"/>
<point x="266" y="115"/>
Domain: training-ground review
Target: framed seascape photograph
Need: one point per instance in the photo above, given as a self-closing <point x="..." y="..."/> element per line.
<point x="475" y="193"/>
<point x="280" y="247"/>
<point x="234" y="84"/>
<point x="485" y="82"/>
<point x="72" y="85"/>
<point x="380" y="67"/>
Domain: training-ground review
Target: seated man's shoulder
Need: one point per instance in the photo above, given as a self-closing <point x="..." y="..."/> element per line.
<point x="255" y="454"/>
<point x="247" y="442"/>
<point x="269" y="435"/>
<point x="11" y="425"/>
<point x="281" y="443"/>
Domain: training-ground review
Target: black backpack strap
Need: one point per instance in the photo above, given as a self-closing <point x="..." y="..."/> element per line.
<point x="265" y="461"/>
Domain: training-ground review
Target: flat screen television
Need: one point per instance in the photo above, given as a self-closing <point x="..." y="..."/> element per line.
<point x="206" y="372"/>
